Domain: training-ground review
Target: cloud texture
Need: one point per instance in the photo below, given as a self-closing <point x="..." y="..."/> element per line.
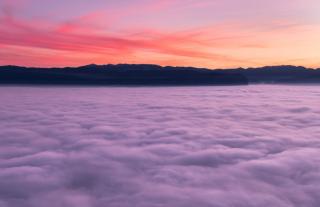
<point x="150" y="147"/>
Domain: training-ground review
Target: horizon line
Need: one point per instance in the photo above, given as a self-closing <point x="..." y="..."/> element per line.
<point x="162" y="66"/>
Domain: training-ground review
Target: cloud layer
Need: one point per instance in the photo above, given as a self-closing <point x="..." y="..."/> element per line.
<point x="147" y="147"/>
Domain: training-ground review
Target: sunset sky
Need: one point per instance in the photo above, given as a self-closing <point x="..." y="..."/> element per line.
<point x="200" y="33"/>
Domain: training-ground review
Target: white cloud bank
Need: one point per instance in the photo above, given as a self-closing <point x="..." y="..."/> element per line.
<point x="150" y="147"/>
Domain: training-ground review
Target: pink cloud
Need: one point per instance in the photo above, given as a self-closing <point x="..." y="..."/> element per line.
<point x="130" y="34"/>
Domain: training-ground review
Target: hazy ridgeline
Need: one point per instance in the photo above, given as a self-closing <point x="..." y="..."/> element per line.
<point x="243" y="146"/>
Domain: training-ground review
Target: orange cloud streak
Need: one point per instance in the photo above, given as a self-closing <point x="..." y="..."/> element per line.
<point x="82" y="40"/>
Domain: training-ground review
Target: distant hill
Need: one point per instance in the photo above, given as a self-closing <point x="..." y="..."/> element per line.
<point x="126" y="74"/>
<point x="279" y="74"/>
<point x="122" y="74"/>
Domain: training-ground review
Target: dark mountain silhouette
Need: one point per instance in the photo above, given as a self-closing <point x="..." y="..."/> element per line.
<point x="279" y="74"/>
<point x="125" y="74"/>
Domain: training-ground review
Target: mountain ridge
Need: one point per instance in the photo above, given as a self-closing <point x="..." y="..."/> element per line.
<point x="150" y="74"/>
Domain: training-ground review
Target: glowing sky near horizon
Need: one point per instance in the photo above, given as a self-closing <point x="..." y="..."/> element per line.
<point x="200" y="33"/>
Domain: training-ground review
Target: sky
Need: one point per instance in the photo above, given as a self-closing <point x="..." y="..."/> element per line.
<point x="199" y="33"/>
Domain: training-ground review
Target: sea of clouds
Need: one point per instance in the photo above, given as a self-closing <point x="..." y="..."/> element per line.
<point x="248" y="146"/>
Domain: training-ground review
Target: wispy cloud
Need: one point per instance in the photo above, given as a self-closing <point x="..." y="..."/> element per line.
<point x="203" y="34"/>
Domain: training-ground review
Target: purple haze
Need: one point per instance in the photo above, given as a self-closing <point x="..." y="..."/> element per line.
<point x="149" y="147"/>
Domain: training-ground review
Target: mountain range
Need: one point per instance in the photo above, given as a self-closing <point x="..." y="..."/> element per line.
<point x="143" y="74"/>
